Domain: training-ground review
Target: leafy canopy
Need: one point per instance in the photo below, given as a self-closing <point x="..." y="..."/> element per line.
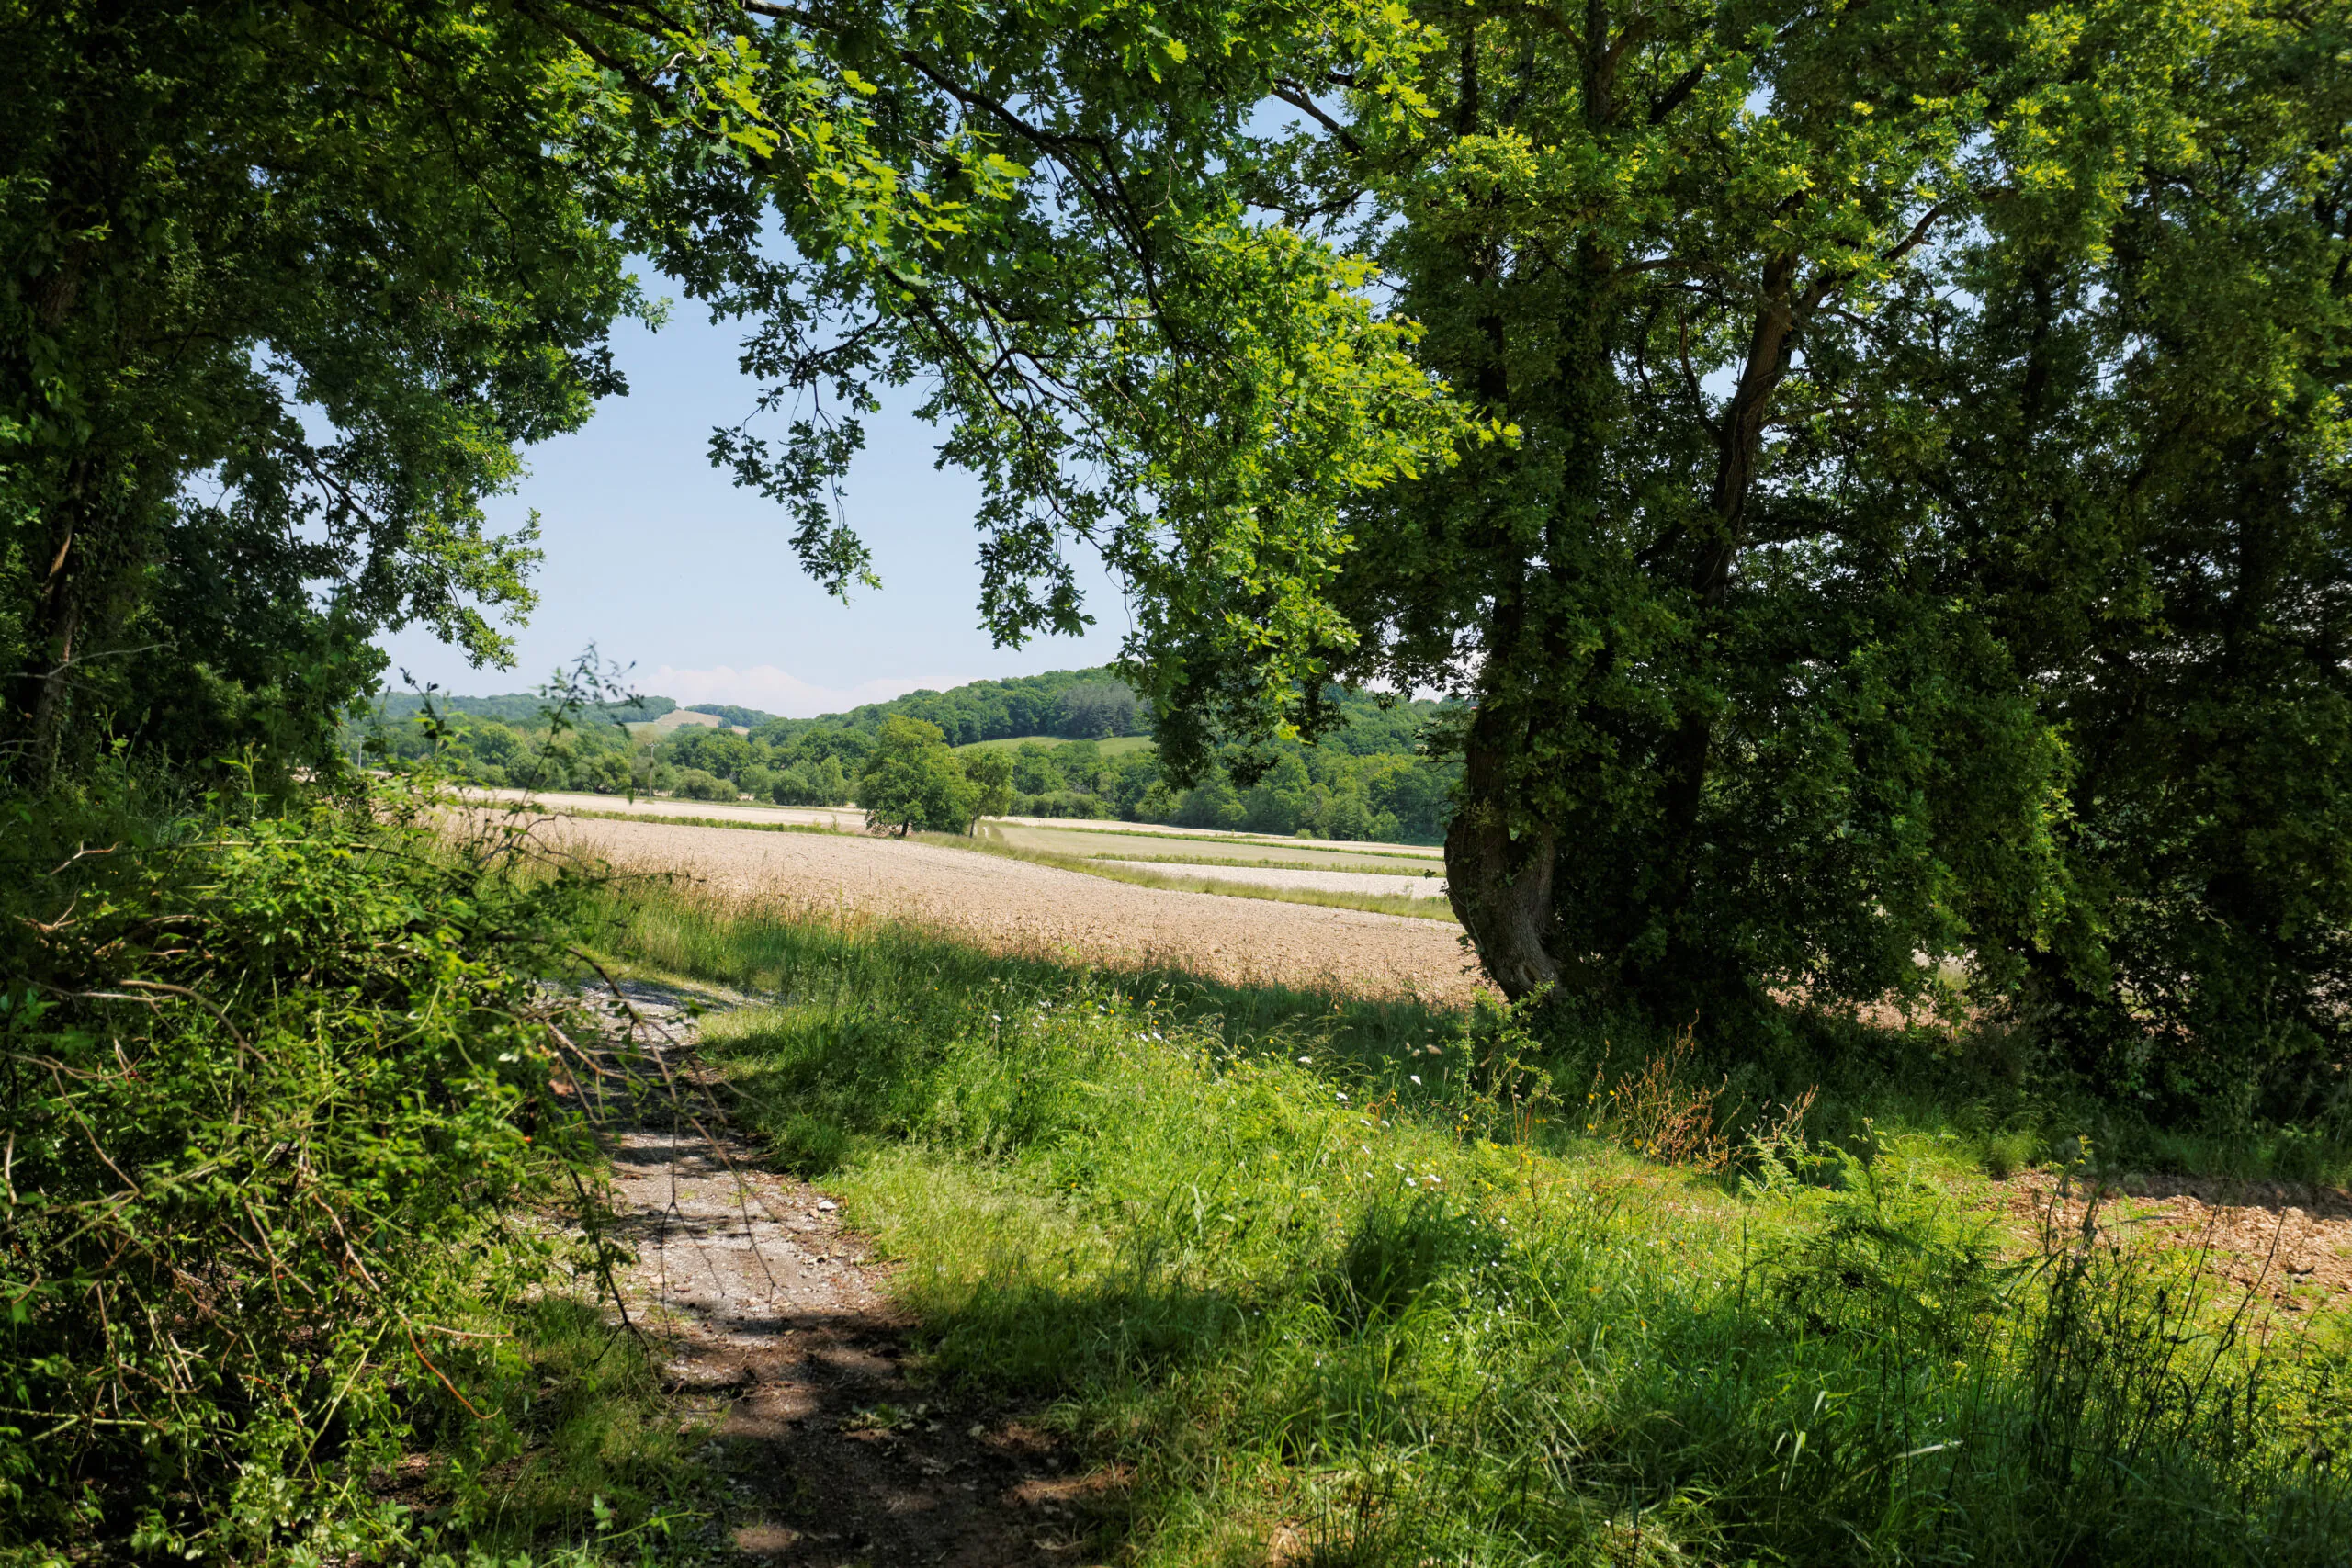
<point x="912" y="781"/>
<point x="1823" y="446"/>
<point x="282" y="289"/>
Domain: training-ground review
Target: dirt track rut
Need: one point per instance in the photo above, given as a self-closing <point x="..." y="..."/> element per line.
<point x="776" y="1334"/>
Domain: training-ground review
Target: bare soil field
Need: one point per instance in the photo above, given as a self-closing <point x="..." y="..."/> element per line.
<point x="2289" y="1245"/>
<point x="1013" y="906"/>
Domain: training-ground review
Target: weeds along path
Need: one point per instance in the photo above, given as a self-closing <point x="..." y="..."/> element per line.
<point x="775" y="1336"/>
<point x="1008" y="905"/>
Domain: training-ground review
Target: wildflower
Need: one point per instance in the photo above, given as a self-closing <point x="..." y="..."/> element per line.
<point x="1307" y="1061"/>
<point x="1415" y="1076"/>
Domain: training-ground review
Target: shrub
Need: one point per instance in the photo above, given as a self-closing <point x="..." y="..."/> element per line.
<point x="817" y="783"/>
<point x="695" y="784"/>
<point x="1063" y="802"/>
<point x="271" y="1088"/>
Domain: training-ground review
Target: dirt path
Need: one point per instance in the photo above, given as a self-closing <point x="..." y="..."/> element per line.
<point x="776" y="1334"/>
<point x="1017" y="906"/>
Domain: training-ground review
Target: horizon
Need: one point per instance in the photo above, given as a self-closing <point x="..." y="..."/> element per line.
<point x="663" y="566"/>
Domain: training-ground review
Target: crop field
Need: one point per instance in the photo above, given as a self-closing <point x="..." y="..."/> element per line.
<point x="1007" y="903"/>
<point x="841" y="819"/>
<point x="1378" y="879"/>
<point x="1120" y="840"/>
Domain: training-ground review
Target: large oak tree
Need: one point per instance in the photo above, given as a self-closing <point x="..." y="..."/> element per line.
<point x="1874" y="471"/>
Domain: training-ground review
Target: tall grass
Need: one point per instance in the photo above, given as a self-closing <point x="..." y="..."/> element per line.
<point x="1345" y="1283"/>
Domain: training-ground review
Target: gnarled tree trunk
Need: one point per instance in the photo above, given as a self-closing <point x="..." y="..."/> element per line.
<point x="1501" y="884"/>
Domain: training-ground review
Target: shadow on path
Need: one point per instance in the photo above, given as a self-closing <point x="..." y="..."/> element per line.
<point x="777" y="1337"/>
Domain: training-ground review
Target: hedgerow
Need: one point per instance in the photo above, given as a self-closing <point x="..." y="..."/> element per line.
<point x="279" y="1103"/>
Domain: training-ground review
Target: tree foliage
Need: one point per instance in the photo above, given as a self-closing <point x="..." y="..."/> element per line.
<point x="1827" y="447"/>
<point x="1874" y="474"/>
<point x="284" y="288"/>
<point x="912" y="781"/>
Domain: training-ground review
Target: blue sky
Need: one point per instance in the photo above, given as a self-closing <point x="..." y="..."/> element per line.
<point x="654" y="557"/>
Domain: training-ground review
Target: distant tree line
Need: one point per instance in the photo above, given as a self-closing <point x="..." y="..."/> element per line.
<point x="527" y="708"/>
<point x="1323" y="792"/>
<point x="1071" y="705"/>
<point x="1368" y="780"/>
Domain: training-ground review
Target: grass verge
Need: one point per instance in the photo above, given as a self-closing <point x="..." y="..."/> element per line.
<point x="1339" y="1281"/>
<point x="1266" y="865"/>
<point x="1147" y="830"/>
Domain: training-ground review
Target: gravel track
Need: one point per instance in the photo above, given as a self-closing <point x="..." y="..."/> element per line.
<point x="1016" y="907"/>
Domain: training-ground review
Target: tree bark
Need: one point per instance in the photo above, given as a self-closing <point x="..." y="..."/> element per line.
<point x="1501" y="884"/>
<point x="36" y="704"/>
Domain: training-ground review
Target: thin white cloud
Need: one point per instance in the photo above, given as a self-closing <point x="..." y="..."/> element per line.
<point x="772" y="689"/>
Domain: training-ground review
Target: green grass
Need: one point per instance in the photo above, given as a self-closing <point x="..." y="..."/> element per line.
<point x="588" y="1460"/>
<point x="1350" y="1277"/>
<point x="1395" y="866"/>
<point x="1098" y="828"/>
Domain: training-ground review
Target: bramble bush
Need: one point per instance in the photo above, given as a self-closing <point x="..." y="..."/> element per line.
<point x="278" y="1099"/>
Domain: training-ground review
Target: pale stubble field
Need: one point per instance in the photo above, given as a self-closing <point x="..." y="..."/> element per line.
<point x="1014" y="906"/>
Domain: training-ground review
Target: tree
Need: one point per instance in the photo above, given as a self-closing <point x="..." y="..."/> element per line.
<point x="1280" y="801"/>
<point x="990" y="774"/>
<point x="913" y="780"/>
<point x="2149" y="469"/>
<point x="1096" y="710"/>
<point x="695" y="783"/>
<point x="718" y="751"/>
<point x="284" y="289"/>
<point x="1669" y="446"/>
<point x="1035" y="770"/>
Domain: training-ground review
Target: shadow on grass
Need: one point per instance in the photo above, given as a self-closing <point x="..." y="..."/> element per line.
<point x="1253" y="1244"/>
